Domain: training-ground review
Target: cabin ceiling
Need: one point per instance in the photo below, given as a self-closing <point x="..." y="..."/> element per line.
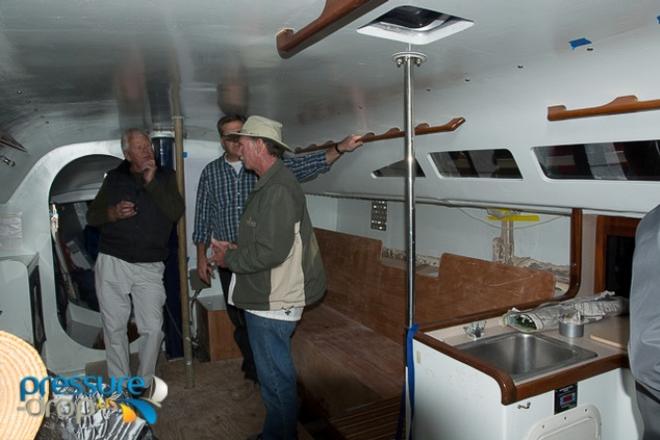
<point x="81" y="70"/>
<point x="79" y="60"/>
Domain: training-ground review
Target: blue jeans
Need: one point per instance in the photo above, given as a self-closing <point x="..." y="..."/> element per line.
<point x="270" y="340"/>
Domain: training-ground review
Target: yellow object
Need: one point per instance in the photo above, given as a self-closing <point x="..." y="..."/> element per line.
<point x="128" y="414"/>
<point x="511" y="215"/>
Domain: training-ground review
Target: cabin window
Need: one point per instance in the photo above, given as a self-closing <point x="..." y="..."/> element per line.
<point x="398" y="169"/>
<point x="639" y="160"/>
<point x="477" y="163"/>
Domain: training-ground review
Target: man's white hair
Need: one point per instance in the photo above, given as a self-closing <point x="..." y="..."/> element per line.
<point x="130" y="133"/>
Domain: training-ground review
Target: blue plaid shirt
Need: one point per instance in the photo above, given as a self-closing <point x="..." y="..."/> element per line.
<point x="222" y="194"/>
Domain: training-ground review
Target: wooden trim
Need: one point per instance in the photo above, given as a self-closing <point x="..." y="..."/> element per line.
<point x="622" y="104"/>
<point x="600" y="254"/>
<point x="576" y="254"/>
<point x="607" y="225"/>
<point x="510" y="391"/>
<point x="574" y="285"/>
<point x="392" y="133"/>
<point x="335" y="15"/>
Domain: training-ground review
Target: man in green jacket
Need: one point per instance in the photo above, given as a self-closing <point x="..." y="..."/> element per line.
<point x="278" y="267"/>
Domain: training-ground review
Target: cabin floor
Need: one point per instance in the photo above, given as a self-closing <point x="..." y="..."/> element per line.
<point x="220" y="406"/>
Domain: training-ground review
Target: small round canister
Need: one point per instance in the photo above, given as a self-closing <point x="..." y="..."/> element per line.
<point x="571" y="329"/>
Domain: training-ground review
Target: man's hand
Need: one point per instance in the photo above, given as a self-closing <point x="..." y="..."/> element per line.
<point x="149" y="171"/>
<point x="219" y="250"/>
<point x="121" y="211"/>
<point x="204" y="269"/>
<point x="350" y="143"/>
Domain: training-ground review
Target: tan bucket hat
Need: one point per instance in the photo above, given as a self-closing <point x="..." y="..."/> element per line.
<point x="258" y="126"/>
<point x="18" y="359"/>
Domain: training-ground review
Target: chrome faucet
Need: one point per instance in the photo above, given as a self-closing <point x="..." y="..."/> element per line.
<point x="475" y="329"/>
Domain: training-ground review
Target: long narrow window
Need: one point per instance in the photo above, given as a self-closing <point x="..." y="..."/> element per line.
<point x="638" y="160"/>
<point x="398" y="169"/>
<point x="477" y="163"/>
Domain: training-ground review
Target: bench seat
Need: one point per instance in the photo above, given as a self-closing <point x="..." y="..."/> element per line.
<point x="342" y="363"/>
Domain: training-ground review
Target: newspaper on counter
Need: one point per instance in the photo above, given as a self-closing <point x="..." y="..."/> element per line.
<point x="546" y="316"/>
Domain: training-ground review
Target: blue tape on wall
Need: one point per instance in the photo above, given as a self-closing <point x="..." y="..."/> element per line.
<point x="658" y="17"/>
<point x="579" y="42"/>
<point x="185" y="154"/>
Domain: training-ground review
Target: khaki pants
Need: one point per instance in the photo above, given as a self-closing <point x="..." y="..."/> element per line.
<point x="115" y="279"/>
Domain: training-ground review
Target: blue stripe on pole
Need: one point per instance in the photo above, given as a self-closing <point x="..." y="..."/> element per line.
<point x="411" y="375"/>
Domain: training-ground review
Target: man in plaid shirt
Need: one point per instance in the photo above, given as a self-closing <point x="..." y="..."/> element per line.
<point x="223" y="189"/>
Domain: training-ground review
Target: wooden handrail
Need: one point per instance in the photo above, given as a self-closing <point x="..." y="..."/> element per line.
<point x="392" y="133"/>
<point x="622" y="104"/>
<point x="336" y="14"/>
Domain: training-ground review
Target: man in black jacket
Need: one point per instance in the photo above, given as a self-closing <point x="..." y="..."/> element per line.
<point x="135" y="210"/>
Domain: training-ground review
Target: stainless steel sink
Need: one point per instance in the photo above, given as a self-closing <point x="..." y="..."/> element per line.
<point x="523" y="355"/>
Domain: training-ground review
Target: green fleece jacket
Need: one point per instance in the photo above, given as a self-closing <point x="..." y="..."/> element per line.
<point x="277" y="263"/>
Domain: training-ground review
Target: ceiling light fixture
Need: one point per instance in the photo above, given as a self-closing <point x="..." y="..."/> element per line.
<point x="414" y="25"/>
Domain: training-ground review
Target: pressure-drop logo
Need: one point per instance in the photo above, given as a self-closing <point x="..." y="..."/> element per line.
<point x="83" y="396"/>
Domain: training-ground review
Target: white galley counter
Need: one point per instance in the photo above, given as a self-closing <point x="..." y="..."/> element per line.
<point x="507" y="385"/>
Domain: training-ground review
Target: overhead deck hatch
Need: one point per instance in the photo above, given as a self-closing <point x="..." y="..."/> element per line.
<point x="414" y="25"/>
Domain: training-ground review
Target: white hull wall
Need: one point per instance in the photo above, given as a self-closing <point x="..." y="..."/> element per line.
<point x="63" y="354"/>
<point x="506" y="108"/>
<point x="440" y="229"/>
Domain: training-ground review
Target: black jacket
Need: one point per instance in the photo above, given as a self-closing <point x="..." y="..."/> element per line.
<point x="142" y="238"/>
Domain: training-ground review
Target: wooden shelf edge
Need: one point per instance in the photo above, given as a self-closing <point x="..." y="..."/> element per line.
<point x="392" y="133"/>
<point x="622" y="104"/>
<point x="335" y="15"/>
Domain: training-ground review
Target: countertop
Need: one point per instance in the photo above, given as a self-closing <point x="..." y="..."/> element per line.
<point x="608" y="338"/>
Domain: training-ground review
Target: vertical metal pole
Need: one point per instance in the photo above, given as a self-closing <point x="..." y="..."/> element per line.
<point x="181" y="231"/>
<point x="407" y="60"/>
<point x="410" y="186"/>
